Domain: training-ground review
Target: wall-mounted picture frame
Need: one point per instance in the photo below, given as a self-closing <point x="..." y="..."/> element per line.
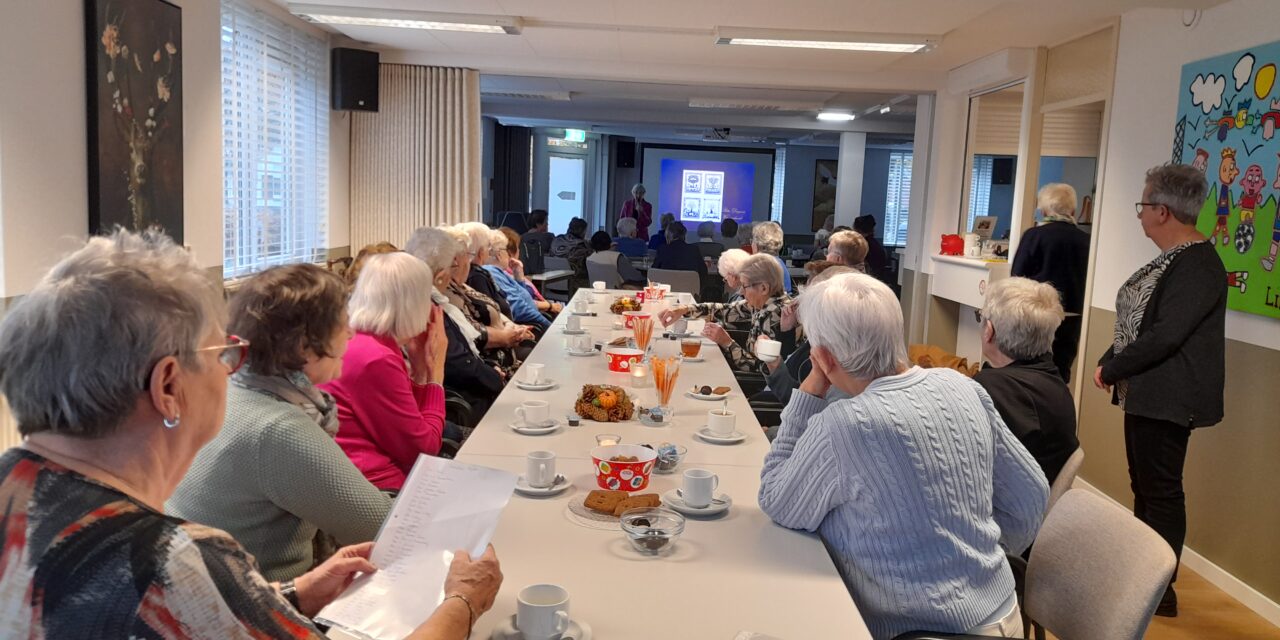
<point x="824" y="191"/>
<point x="134" y="90"/>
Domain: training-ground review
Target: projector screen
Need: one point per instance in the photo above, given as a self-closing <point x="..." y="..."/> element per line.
<point x="699" y="186"/>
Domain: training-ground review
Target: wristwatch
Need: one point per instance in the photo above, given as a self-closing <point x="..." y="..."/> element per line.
<point x="290" y="592"/>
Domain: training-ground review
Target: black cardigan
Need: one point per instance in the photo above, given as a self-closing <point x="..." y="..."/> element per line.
<point x="1037" y="407"/>
<point x="1176" y="366"/>
<point x="1057" y="253"/>
<point x="467" y="374"/>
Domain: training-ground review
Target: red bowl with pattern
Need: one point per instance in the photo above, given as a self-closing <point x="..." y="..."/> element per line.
<point x="620" y="359"/>
<point x="629" y="317"/>
<point x="655" y="293"/>
<point x="617" y="475"/>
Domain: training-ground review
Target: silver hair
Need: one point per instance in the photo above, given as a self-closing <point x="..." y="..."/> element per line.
<point x="706" y="229"/>
<point x="767" y="237"/>
<point x="1024" y="315"/>
<point x="477" y="236"/>
<point x="859" y="321"/>
<point x="497" y="242"/>
<point x="637" y="189"/>
<point x="1057" y="200"/>
<point x="744" y="233"/>
<point x="77" y="351"/>
<point x="434" y="246"/>
<point x="851" y="246"/>
<point x="392" y="296"/>
<point x="1180" y="187"/>
<point x="626" y="227"/>
<point x="730" y="262"/>
<point x="762" y="267"/>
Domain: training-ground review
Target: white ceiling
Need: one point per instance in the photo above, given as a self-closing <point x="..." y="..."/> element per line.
<point x="640" y="61"/>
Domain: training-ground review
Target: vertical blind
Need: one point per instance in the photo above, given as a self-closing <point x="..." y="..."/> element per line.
<point x="979" y="189"/>
<point x="779" y="177"/>
<point x="897" y="201"/>
<point x="275" y="141"/>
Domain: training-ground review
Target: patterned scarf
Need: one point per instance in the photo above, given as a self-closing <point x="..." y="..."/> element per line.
<point x="297" y="390"/>
<point x="1131" y="304"/>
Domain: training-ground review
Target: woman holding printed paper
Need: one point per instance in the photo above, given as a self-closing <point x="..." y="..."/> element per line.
<point x="106" y="447"/>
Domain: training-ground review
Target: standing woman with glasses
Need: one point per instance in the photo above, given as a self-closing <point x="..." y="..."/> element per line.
<point x="1167" y="362"/>
<point x="115" y="367"/>
<point x="274" y="478"/>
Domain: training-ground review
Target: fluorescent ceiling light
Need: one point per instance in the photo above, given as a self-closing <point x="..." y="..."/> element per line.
<point x="430" y="20"/>
<point x="754" y="105"/>
<point x="836" y="116"/>
<point x="885" y="110"/>
<point x="837" y="40"/>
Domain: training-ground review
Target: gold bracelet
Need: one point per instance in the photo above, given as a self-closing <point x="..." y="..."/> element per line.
<point x="471" y="612"/>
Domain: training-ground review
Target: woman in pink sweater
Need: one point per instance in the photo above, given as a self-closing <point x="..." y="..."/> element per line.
<point x="389" y="411"/>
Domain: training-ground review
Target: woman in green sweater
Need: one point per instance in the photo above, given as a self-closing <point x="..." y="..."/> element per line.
<point x="273" y="477"/>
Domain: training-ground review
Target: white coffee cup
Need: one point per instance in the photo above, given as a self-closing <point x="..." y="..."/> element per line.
<point x="532" y="372"/>
<point x="680" y="327"/>
<point x="542" y="611"/>
<point x="699" y="487"/>
<point x="598" y="285"/>
<point x="721" y="421"/>
<point x="580" y="305"/>
<point x="695" y="327"/>
<point x="540" y="469"/>
<point x="533" y="412"/>
<point x="581" y="343"/>
<point x="768" y="350"/>
<point x="573" y="323"/>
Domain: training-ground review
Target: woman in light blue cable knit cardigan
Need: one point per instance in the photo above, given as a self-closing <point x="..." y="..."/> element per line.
<point x="914" y="483"/>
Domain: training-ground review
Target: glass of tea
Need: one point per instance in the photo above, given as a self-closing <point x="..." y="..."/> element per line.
<point x="689" y="347"/>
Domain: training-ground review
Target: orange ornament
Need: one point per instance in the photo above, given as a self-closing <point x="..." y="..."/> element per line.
<point x="607" y="399"/>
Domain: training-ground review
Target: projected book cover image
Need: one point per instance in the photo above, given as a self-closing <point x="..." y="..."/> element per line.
<point x="702" y="197"/>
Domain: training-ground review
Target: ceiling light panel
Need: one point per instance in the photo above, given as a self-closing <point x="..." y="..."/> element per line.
<point x="753" y="105"/>
<point x="428" y="20"/>
<point x="832" y="40"/>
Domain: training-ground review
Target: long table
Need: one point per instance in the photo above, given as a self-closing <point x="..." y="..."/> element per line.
<point x="731" y="573"/>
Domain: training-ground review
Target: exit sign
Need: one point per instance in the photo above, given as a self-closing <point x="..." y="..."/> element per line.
<point x="575" y="135"/>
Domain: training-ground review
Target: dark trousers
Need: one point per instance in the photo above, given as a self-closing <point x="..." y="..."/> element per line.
<point x="1066" y="340"/>
<point x="1156" y="450"/>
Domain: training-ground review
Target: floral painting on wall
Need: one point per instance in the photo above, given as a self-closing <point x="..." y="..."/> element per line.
<point x="135" y="115"/>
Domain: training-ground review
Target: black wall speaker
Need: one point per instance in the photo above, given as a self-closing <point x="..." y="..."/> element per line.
<point x="1002" y="170"/>
<point x="626" y="152"/>
<point x="353" y="76"/>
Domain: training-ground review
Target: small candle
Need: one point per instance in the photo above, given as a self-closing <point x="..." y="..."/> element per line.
<point x="639" y="375"/>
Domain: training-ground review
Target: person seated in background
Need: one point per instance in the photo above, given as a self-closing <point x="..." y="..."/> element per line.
<point x="917" y="524"/>
<point x="273" y="477"/>
<point x="605" y="254"/>
<point x="479" y="247"/>
<point x="728" y="236"/>
<point x="1018" y="323"/>
<point x="821" y="239"/>
<point x="660" y="237"/>
<point x="115" y="369"/>
<point x="572" y="246"/>
<point x="628" y="244"/>
<point x="783" y="377"/>
<point x="848" y="248"/>
<point x="353" y="271"/>
<point x="538" y="233"/>
<point x="523" y="307"/>
<point x="515" y="268"/>
<point x="391" y="408"/>
<point x="679" y="255"/>
<point x="707" y="243"/>
<point x="766" y="238"/>
<point x="728" y="266"/>
<point x="466" y="370"/>
<point x="877" y="259"/>
<point x="744" y="237"/>
<point x="760" y="308"/>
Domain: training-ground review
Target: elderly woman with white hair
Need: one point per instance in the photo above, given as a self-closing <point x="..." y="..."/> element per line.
<point x="466" y="370"/>
<point x="762" y="303"/>
<point x="1057" y="252"/>
<point x="638" y="209"/>
<point x="728" y="266"/>
<point x="498" y="337"/>
<point x="115" y="367"/>
<point x="707" y="243"/>
<point x="480" y="249"/>
<point x="914" y="482"/>
<point x="1018" y="322"/>
<point x="390" y="410"/>
<point x="767" y="238"/>
<point x="627" y="241"/>
<point x="523" y="307"/>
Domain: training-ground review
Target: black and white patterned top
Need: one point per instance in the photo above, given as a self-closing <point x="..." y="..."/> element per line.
<point x="1131" y="303"/>
<point x="765" y="321"/>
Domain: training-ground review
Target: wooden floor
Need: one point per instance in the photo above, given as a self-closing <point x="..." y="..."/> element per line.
<point x="1205" y="612"/>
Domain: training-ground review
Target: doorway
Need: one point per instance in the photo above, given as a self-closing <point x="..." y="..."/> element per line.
<point x="566" y="188"/>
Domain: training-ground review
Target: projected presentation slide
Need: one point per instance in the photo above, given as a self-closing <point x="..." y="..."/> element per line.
<point x="704" y="190"/>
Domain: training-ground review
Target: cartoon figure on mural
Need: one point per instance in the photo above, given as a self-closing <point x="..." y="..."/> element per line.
<point x="1237" y="279"/>
<point x="1202" y="160"/>
<point x="1250" y="199"/>
<point x="1227" y="172"/>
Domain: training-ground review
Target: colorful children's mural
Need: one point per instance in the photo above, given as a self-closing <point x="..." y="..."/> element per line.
<point x="1226" y="127"/>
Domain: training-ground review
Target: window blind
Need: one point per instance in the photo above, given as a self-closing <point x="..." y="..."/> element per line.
<point x="979" y="189"/>
<point x="897" y="202"/>
<point x="275" y="141"/>
<point x="779" y="177"/>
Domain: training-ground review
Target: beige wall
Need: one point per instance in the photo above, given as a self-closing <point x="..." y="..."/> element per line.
<point x="1230" y="477"/>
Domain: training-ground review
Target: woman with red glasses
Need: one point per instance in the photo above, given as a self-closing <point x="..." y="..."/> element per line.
<point x="304" y="496"/>
<point x="115" y="368"/>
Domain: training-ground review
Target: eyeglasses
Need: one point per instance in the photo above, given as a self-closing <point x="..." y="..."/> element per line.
<point x="232" y="354"/>
<point x="1137" y="206"/>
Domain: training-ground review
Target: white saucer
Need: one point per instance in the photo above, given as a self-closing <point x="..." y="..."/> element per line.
<point x="574" y="332"/>
<point x="506" y="630"/>
<point x="697" y="359"/>
<point x="708" y="398"/>
<point x="673" y="500"/>
<point x="581" y="354"/>
<point x="541" y="386"/>
<point x="561" y="483"/>
<point x="549" y="426"/>
<point x="733" y="438"/>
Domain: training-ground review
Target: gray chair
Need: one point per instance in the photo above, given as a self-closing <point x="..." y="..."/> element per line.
<point x="1096" y="571"/>
<point x="1065" y="478"/>
<point x="557" y="290"/>
<point x="686" y="281"/>
<point x="603" y="271"/>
